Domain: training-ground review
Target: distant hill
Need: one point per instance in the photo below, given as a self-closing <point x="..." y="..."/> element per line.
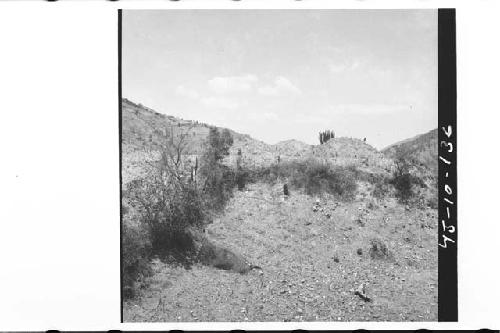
<point x="421" y="148"/>
<point x="144" y="131"/>
<point x="144" y="128"/>
<point x="347" y="151"/>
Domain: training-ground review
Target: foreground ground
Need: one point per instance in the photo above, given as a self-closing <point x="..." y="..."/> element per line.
<point x="313" y="259"/>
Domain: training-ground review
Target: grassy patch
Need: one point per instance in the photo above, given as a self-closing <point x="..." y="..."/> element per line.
<point x="312" y="176"/>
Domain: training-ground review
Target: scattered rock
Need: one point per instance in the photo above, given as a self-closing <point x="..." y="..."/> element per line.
<point x="361" y="292"/>
<point x="360" y="221"/>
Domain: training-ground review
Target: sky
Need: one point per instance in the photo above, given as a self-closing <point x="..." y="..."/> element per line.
<point x="287" y="74"/>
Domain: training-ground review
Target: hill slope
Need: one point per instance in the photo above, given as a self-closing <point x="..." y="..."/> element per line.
<point x="311" y="265"/>
<point x="144" y="129"/>
<point x="422" y="148"/>
<point x="315" y="252"/>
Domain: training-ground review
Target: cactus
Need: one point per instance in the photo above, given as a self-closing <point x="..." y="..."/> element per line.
<point x="325" y="136"/>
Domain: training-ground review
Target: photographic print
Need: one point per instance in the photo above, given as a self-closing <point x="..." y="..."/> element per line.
<point x="279" y="165"/>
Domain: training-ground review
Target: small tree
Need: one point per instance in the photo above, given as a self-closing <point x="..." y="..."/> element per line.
<point x="402" y="180"/>
<point x="217" y="178"/>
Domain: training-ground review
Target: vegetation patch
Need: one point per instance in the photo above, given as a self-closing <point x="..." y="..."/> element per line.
<point x="172" y="206"/>
<point x="312" y="176"/>
<point x="379" y="250"/>
<point x="404" y="181"/>
<point x="136" y="251"/>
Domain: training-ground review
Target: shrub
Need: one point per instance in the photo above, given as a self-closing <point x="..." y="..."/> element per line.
<point x="319" y="178"/>
<point x="433" y="198"/>
<point x="378" y="249"/>
<point x="168" y="208"/>
<point x="313" y="177"/>
<point x="403" y="181"/>
<point x="136" y="251"/>
<point x="403" y="185"/>
<point x="218" y="179"/>
<point x="381" y="188"/>
<point x="241" y="178"/>
<point x="218" y="185"/>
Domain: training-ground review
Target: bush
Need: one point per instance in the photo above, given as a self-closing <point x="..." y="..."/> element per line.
<point x="404" y="182"/>
<point x="381" y="187"/>
<point x="433" y="197"/>
<point x="136" y="251"/>
<point x="168" y="208"/>
<point x="320" y="178"/>
<point x="313" y="177"/>
<point x="171" y="208"/>
<point x="378" y="249"/>
<point x="241" y="178"/>
<point x="218" y="185"/>
<point x="218" y="179"/>
<point x="404" y="187"/>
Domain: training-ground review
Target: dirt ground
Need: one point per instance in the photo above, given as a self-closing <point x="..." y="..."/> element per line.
<point x="313" y="259"/>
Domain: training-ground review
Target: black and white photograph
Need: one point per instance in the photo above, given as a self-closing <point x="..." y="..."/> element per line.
<point x="279" y="165"/>
<point x="249" y="165"/>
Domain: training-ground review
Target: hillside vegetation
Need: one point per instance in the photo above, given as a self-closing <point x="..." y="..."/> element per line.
<point x="218" y="226"/>
<point x="422" y="149"/>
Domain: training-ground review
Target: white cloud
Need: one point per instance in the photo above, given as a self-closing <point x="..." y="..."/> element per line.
<point x="281" y="85"/>
<point x="232" y="84"/>
<point x="219" y="103"/>
<point x="186" y="92"/>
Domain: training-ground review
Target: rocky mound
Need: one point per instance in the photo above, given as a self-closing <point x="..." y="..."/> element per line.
<point x="350" y="151"/>
<point x="145" y="130"/>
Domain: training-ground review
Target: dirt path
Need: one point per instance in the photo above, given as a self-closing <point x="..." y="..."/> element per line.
<point x="311" y="266"/>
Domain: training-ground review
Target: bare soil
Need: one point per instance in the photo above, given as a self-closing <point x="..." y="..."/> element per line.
<point x="314" y="257"/>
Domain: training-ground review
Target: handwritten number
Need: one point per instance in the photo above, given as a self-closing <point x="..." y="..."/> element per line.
<point x="444" y="160"/>
<point x="446" y="239"/>
<point x="448" y="144"/>
<point x="447" y="189"/>
<point x="451" y="228"/>
<point x="449" y="132"/>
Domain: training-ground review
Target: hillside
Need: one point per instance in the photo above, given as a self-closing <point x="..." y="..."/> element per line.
<point x="346" y="151"/>
<point x="145" y="130"/>
<point x="421" y="148"/>
<point x="312" y="263"/>
<point x="314" y="251"/>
